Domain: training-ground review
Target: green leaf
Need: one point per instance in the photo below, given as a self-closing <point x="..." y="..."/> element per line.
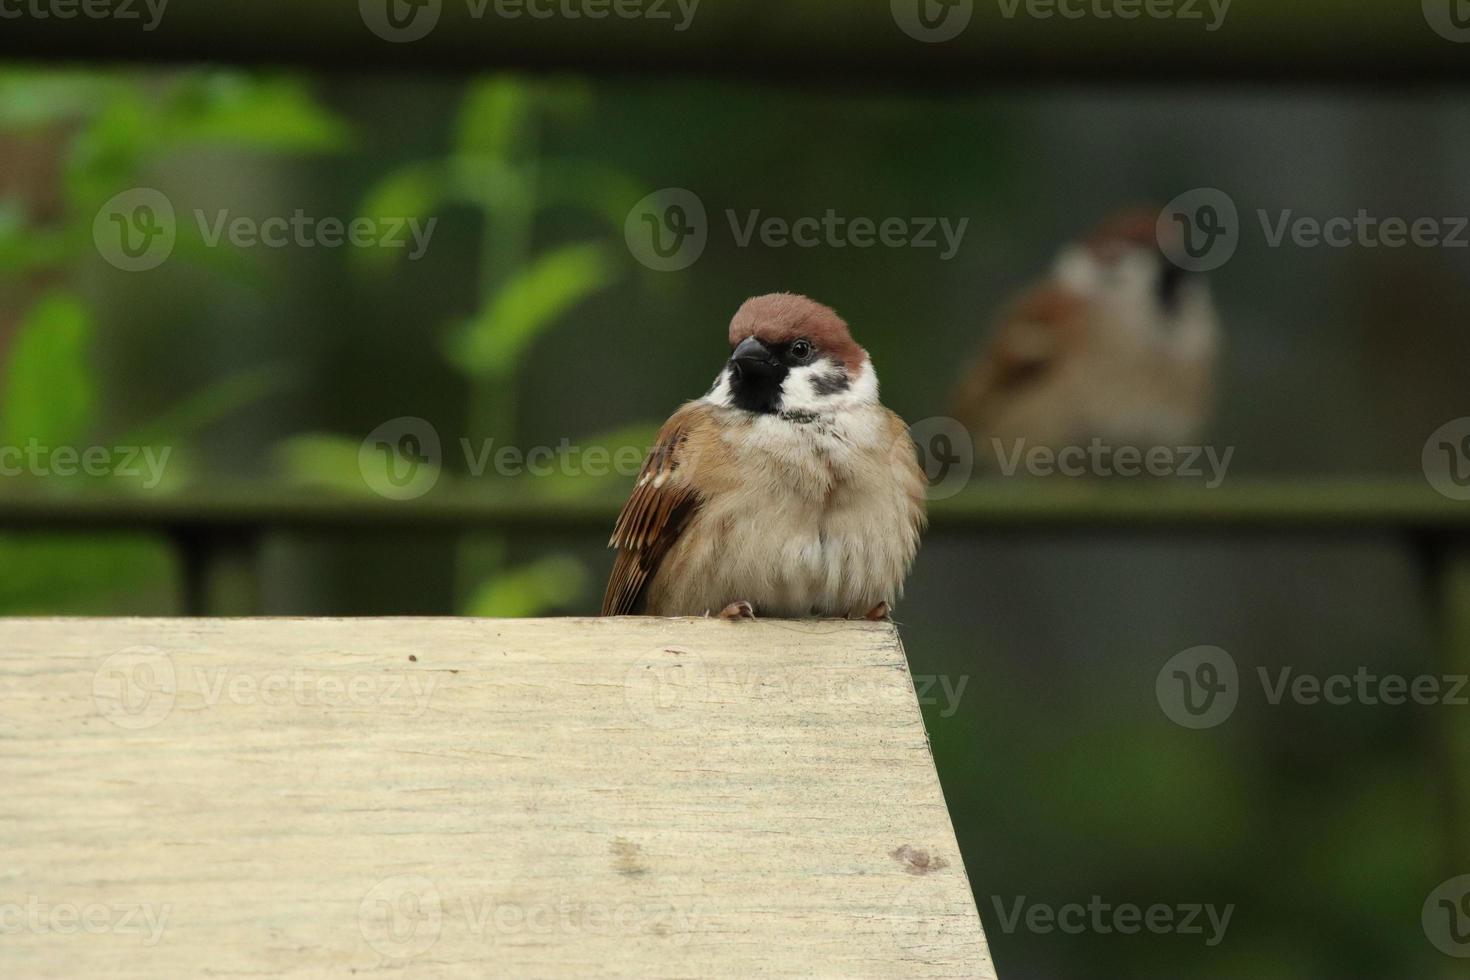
<point x="30" y="98"/>
<point x="418" y="190"/>
<point x="24" y="249"/>
<point x="242" y="110"/>
<point x="49" y="389"/>
<point x="493" y="118"/>
<point x="528" y="304"/>
<point x="530" y="590"/>
<point x="212" y="403"/>
<point x="322" y="459"/>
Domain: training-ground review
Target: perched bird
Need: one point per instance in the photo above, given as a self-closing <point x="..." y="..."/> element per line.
<point x="1119" y="344"/>
<point x="787" y="490"/>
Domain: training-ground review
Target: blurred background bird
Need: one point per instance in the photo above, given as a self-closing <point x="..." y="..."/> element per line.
<point x="1117" y="344"/>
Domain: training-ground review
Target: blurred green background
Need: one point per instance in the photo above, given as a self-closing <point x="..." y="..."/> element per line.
<point x="528" y="321"/>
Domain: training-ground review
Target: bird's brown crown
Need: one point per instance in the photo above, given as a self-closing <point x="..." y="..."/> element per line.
<point x="1133" y="228"/>
<point x="780" y="318"/>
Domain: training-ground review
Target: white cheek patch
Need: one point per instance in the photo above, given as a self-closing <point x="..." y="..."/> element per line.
<point x="817" y="388"/>
<point x="1078" y="271"/>
<point x="720" y="393"/>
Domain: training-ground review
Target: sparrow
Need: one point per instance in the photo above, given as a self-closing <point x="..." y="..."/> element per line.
<point x="788" y="490"/>
<point x="1118" y="344"/>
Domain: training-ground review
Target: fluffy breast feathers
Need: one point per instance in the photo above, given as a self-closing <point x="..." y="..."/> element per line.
<point x="724" y="497"/>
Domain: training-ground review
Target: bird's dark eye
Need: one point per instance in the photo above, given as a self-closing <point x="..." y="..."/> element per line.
<point x="801" y="350"/>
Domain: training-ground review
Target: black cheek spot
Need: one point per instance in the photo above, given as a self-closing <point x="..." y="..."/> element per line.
<point x="831" y="384"/>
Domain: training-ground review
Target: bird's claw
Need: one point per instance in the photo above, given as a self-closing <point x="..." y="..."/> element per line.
<point x="738" y="610"/>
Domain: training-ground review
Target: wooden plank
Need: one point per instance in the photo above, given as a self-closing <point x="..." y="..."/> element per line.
<point x="632" y="798"/>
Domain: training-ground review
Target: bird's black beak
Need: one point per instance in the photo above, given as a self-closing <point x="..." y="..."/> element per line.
<point x="1171" y="283"/>
<point x="752" y="361"/>
<point x="756" y="376"/>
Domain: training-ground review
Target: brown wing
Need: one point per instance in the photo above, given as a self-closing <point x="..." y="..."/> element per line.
<point x="663" y="502"/>
<point x="1022" y="349"/>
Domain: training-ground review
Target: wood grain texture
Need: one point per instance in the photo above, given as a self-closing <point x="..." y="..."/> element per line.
<point x="425" y="798"/>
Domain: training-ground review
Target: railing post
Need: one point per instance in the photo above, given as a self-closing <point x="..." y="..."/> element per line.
<point x="1454" y="626"/>
<point x="219" y="571"/>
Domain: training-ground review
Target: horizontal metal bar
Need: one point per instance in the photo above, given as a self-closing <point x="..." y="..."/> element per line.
<point x="1339" y="506"/>
<point x="1368" y="42"/>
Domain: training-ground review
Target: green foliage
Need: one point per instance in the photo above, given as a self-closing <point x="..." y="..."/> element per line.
<point x="58" y="575"/>
<point x="492" y="343"/>
<point x="495" y="118"/>
<point x="554" y="582"/>
<point x="110" y="128"/>
<point x="237" y="110"/>
<point x="49" y="390"/>
<point x="494" y="166"/>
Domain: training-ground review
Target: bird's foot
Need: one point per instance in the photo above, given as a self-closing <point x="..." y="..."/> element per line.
<point x="878" y="614"/>
<point x="738" y="610"/>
